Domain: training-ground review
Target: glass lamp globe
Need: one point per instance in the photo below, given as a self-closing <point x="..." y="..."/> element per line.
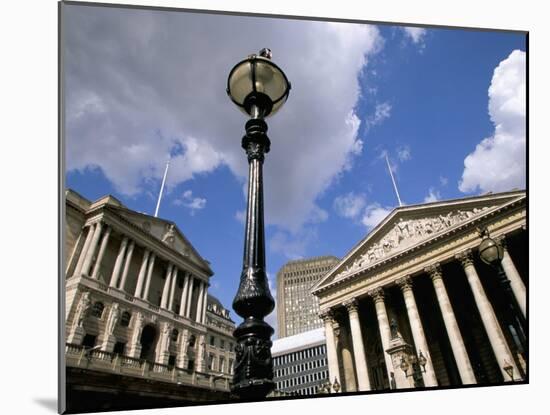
<point x="490" y="251"/>
<point x="257" y="83"/>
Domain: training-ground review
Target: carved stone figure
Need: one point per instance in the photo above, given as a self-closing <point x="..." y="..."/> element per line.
<point x="403" y="226"/>
<point x="113" y="318"/>
<point x="82" y="309"/>
<point x="138" y="327"/>
<point x="169" y="236"/>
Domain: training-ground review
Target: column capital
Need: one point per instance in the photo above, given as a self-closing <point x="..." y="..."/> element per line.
<point x="351" y="305"/>
<point x="377" y="294"/>
<point x="327" y="315"/>
<point x="405" y="283"/>
<point x="434" y="271"/>
<point x="465" y="258"/>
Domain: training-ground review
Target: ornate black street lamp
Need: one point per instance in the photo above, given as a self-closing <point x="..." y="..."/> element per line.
<point x="491" y="252"/>
<point x="259" y="88"/>
<point x="418" y="367"/>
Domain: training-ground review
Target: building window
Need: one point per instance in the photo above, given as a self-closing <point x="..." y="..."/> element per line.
<point x="172" y="360"/>
<point x="119" y="348"/>
<point x="230" y="366"/>
<point x="174" y="335"/>
<point x="212" y="340"/>
<point x="97" y="309"/>
<point x="89" y="341"/>
<point x="222" y="364"/>
<point x="222" y="344"/>
<point x="125" y="319"/>
<point x="210" y="361"/>
<point x="192" y="340"/>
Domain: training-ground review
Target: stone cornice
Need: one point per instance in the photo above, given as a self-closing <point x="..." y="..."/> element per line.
<point x="453" y="231"/>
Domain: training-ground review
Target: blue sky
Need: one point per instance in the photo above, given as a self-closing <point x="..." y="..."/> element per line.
<point x="446" y="106"/>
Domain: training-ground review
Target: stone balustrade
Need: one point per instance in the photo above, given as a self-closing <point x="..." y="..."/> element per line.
<point x="82" y="357"/>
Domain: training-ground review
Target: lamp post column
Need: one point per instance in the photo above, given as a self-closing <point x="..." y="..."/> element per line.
<point x="253" y="377"/>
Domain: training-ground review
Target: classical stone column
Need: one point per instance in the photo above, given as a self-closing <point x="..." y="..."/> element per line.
<point x="332" y="356"/>
<point x="204" y="304"/>
<point x="76" y="246"/>
<point x="383" y="325"/>
<point x="91" y="249"/>
<point x="516" y="283"/>
<point x="118" y="262"/>
<point x="451" y="326"/>
<point x="102" y="247"/>
<point x="488" y="317"/>
<point x="198" y="316"/>
<point x="419" y="338"/>
<point x="173" y="288"/>
<point x="183" y="302"/>
<point x="358" y="347"/>
<point x="150" y="267"/>
<point x="87" y="241"/>
<point x="190" y="296"/>
<point x="142" y="272"/>
<point x="166" y="288"/>
<point x="127" y="263"/>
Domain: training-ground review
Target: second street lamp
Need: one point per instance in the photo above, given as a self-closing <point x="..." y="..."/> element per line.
<point x="491" y="252"/>
<point x="259" y="88"/>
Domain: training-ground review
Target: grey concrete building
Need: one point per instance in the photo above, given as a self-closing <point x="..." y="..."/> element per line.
<point x="300" y="363"/>
<point x="297" y="308"/>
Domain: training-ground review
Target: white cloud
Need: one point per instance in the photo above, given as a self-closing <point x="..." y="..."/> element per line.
<point x="240" y="215"/>
<point x="293" y="245"/>
<point x="404" y="153"/>
<point x="374" y="214"/>
<point x="498" y="162"/>
<point x="416" y="34"/>
<point x="141" y="83"/>
<point x="349" y="205"/>
<point x="443" y="180"/>
<point x="433" y="196"/>
<point x="381" y="112"/>
<point x="192" y="203"/>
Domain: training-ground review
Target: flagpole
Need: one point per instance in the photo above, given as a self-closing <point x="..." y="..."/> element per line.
<point x="162" y="187"/>
<point x="393" y="181"/>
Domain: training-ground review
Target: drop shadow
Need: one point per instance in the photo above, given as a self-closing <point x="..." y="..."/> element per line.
<point x="48" y="403"/>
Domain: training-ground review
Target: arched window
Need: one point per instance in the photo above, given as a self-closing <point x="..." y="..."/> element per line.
<point x="97" y="309"/>
<point x="125" y="319"/>
<point x="174" y="335"/>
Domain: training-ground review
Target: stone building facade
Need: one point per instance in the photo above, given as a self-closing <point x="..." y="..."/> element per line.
<point x="136" y="298"/>
<point x="300" y="363"/>
<point x="297" y="309"/>
<point x="413" y="305"/>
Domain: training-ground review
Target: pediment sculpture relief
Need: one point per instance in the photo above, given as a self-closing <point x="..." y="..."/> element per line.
<point x="169" y="235"/>
<point x="408" y="232"/>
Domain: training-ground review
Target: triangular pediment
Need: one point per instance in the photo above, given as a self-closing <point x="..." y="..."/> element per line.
<point x="165" y="231"/>
<point x="408" y="226"/>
